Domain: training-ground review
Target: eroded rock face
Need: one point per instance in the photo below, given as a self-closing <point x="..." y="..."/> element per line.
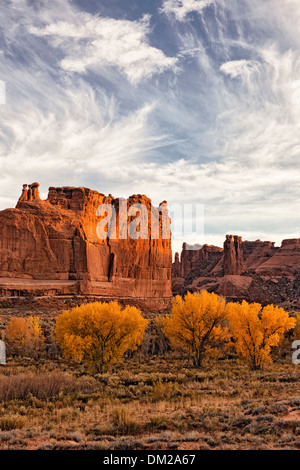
<point x="56" y="241"/>
<point x="284" y="260"/>
<point x="203" y="259"/>
<point x="253" y="270"/>
<point x="233" y="255"/>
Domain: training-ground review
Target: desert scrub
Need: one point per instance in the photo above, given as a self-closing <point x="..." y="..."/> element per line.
<point x="139" y="400"/>
<point x="123" y="422"/>
<point x="10" y="421"/>
<point x="165" y="391"/>
<point x="43" y="385"/>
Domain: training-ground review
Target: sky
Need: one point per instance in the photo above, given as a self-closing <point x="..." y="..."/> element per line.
<point x="192" y="101"/>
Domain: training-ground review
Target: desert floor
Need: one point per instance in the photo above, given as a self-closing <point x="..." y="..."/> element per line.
<point x="150" y="401"/>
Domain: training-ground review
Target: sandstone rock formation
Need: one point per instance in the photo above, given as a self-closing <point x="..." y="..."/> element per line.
<point x="52" y="246"/>
<point x="252" y="270"/>
<point x="194" y="257"/>
<point x="233" y="255"/>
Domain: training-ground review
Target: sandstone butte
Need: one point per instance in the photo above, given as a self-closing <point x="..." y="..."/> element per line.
<point x="257" y="271"/>
<point x="51" y="247"/>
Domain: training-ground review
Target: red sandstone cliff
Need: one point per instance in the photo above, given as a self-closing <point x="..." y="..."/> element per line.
<point x="233" y="255"/>
<point x="254" y="270"/>
<point x="52" y="246"/>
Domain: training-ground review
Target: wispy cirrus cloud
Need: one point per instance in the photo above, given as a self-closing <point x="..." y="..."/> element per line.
<point x="92" y="42"/>
<point x="181" y="8"/>
<point x="247" y="63"/>
<point x="2" y="92"/>
<point x="243" y="68"/>
<point x="62" y="126"/>
<point x="199" y="103"/>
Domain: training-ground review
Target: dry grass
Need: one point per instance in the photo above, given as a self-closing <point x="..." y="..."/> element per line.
<point x="150" y="403"/>
<point x="41" y="385"/>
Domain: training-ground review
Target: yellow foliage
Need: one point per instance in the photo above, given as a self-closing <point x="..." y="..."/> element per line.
<point x="24" y="336"/>
<point x="100" y="333"/>
<point x="195" y="324"/>
<point x="256" y="330"/>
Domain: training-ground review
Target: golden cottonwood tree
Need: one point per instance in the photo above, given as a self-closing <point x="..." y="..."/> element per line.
<point x="99" y="333"/>
<point x="195" y="324"/>
<point x="256" y="330"/>
<point x="24" y="336"/>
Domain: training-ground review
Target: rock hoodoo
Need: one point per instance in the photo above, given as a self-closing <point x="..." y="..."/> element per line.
<point x="51" y="246"/>
<point x="233" y="255"/>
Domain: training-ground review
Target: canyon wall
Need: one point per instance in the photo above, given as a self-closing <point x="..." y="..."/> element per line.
<point x="253" y="270"/>
<point x="52" y="246"/>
